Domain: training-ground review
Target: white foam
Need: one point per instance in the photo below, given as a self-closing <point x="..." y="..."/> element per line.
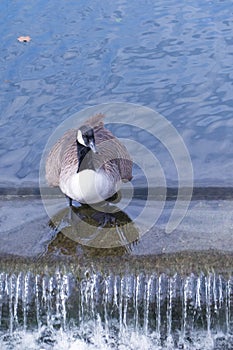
<point x="101" y="340"/>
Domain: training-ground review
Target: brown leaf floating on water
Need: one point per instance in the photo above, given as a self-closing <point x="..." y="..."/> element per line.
<point x="24" y="39"/>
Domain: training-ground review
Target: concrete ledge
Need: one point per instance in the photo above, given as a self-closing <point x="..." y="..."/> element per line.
<point x="202" y="241"/>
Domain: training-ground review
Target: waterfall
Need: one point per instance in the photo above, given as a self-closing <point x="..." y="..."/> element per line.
<point x="170" y="312"/>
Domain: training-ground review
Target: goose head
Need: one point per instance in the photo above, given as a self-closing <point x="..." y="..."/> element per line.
<point x="86" y="138"/>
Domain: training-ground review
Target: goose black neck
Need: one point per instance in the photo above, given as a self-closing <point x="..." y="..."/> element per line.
<point x="85" y="160"/>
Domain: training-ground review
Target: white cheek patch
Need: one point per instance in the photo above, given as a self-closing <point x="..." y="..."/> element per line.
<point x="80" y="138"/>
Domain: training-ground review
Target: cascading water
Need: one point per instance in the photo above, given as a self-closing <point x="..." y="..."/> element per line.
<point x="109" y="310"/>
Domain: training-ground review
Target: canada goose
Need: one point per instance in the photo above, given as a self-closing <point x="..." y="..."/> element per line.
<point x="88" y="164"/>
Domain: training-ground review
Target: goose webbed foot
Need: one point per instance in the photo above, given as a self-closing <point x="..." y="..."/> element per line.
<point x="104" y="219"/>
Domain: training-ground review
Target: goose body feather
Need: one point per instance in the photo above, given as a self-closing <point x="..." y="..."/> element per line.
<point x="112" y="165"/>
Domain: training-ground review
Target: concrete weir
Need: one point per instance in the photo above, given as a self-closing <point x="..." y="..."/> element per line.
<point x="161" y="291"/>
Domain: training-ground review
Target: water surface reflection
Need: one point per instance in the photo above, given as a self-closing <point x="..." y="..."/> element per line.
<point x="107" y="228"/>
<point x="175" y="58"/>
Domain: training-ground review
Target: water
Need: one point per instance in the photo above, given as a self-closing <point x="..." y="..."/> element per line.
<point x="138" y="310"/>
<point x="174" y="57"/>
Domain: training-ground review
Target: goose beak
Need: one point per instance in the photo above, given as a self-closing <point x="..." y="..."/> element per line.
<point x="92" y="146"/>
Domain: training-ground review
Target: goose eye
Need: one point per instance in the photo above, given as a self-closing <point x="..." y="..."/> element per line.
<point x="85" y="140"/>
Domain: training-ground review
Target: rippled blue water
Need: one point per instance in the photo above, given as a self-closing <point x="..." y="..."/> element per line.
<point x="172" y="56"/>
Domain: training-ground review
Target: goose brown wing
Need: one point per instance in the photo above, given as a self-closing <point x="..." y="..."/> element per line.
<point x="63" y="150"/>
<point x="113" y="152"/>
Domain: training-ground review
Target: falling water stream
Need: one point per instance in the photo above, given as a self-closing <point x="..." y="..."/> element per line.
<point x="135" y="310"/>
